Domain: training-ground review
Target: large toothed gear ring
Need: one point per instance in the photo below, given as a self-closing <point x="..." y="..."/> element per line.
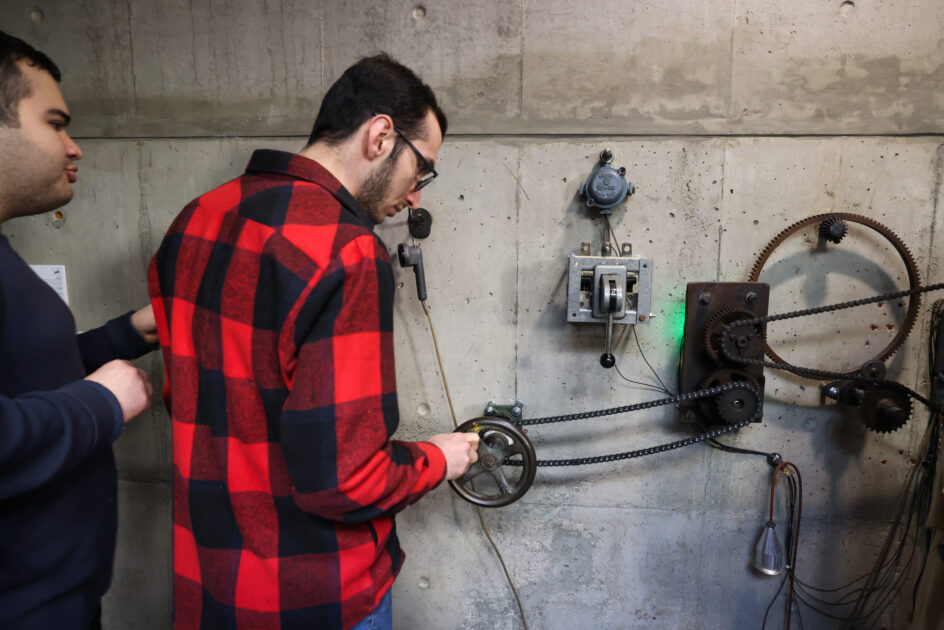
<point x="914" y="277"/>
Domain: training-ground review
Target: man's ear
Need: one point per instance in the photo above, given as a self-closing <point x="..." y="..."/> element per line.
<point x="379" y="138"/>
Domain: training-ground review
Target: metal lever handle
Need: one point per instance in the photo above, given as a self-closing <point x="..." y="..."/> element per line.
<point x="607" y="359"/>
<point x="412" y="256"/>
<point x="611" y="298"/>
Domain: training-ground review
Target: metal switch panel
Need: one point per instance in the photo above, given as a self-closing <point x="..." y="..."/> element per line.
<point x="584" y="288"/>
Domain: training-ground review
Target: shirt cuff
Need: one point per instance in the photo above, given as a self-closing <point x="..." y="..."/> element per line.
<point x="437" y="462"/>
<point x="122" y="334"/>
<point x="102" y="406"/>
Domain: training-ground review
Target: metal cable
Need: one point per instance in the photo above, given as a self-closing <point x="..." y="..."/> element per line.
<point x="478" y="510"/>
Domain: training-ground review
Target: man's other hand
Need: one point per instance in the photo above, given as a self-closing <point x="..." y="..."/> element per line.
<point x="143" y="322"/>
<point x="128" y="383"/>
<point x="460" y="449"/>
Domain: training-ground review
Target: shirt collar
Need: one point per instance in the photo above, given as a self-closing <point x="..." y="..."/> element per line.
<point x="300" y="167"/>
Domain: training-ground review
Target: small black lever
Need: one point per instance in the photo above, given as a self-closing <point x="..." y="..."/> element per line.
<point x="412" y="256"/>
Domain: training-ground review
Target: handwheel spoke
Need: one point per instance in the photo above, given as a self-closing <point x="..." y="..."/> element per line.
<point x="474" y="471"/>
<point x="499" y="476"/>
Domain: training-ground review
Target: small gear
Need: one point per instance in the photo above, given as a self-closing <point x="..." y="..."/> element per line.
<point x="833" y="228"/>
<point x="741" y="341"/>
<point x="732" y="406"/>
<point x="885" y="409"/>
<point x="736" y="405"/>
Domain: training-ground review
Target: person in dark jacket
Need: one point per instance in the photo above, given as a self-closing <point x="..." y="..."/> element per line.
<point x="64" y="398"/>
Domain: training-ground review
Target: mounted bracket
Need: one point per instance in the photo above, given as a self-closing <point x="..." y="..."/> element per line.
<point x="510" y="411"/>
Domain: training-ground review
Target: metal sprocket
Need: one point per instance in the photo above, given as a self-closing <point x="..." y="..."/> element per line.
<point x="741" y="341"/>
<point x="885" y="409"/>
<point x="914" y="276"/>
<point x="731" y="406"/>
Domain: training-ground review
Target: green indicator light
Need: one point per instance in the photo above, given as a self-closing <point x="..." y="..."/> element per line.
<point x="675" y="322"/>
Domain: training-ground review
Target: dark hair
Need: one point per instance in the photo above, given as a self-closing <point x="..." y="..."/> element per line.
<point x="13" y="85"/>
<point x="377" y="84"/>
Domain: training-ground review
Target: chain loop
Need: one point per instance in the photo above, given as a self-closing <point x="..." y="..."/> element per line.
<point x="714" y="391"/>
<point x="702" y="393"/>
<point x="825" y="374"/>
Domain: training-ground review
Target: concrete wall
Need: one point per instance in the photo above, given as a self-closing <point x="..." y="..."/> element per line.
<point x="733" y="119"/>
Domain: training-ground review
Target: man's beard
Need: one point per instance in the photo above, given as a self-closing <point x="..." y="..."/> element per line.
<point x="374" y="189"/>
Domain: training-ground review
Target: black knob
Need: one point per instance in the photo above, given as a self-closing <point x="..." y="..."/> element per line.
<point x="420" y="222"/>
<point x="607" y="360"/>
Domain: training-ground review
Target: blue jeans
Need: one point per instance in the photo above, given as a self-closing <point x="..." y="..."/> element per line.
<point x="380" y="618"/>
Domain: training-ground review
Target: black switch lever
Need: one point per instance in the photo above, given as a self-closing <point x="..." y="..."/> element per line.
<point x="412" y="256"/>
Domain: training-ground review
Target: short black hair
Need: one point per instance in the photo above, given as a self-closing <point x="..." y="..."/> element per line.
<point x="377" y="84"/>
<point x="14" y="86"/>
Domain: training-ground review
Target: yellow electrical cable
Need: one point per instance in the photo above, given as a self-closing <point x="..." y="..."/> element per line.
<point x="478" y="509"/>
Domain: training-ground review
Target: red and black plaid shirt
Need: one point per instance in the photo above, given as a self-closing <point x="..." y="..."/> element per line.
<point x="274" y="304"/>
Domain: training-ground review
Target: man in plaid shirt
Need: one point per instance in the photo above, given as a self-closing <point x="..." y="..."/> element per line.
<point x="274" y="304"/>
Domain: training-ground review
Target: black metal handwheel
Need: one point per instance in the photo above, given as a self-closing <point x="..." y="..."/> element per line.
<point x="505" y="467"/>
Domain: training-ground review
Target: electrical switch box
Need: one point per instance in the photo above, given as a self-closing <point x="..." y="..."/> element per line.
<point x="600" y="285"/>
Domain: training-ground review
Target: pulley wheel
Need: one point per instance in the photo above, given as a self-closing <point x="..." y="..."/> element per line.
<point x="505" y="467"/>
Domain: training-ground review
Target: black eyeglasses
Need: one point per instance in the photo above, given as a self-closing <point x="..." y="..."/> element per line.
<point x="426" y="171"/>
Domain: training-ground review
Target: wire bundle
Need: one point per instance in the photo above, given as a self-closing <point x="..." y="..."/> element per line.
<point x="905" y="548"/>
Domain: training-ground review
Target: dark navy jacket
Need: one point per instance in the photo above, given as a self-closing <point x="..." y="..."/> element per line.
<point x="58" y="485"/>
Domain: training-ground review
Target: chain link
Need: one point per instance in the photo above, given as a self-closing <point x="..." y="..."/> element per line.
<point x="705" y="393"/>
<point x="649" y="404"/>
<point x="829" y="308"/>
<point x="696" y="395"/>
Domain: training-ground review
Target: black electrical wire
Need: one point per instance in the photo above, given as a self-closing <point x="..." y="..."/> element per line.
<point x="661" y="388"/>
<point x="791" y="475"/>
<point x="920" y="484"/>
<point x="799" y="616"/>
<point x="930" y="460"/>
<point x="792" y="539"/>
<point x="656" y="388"/>
<point x="654" y="373"/>
<point x="884" y="583"/>
<point x="606" y="218"/>
<point x="771" y="604"/>
<point x="886" y="586"/>
<point x="648" y="386"/>
<point x="772" y="458"/>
